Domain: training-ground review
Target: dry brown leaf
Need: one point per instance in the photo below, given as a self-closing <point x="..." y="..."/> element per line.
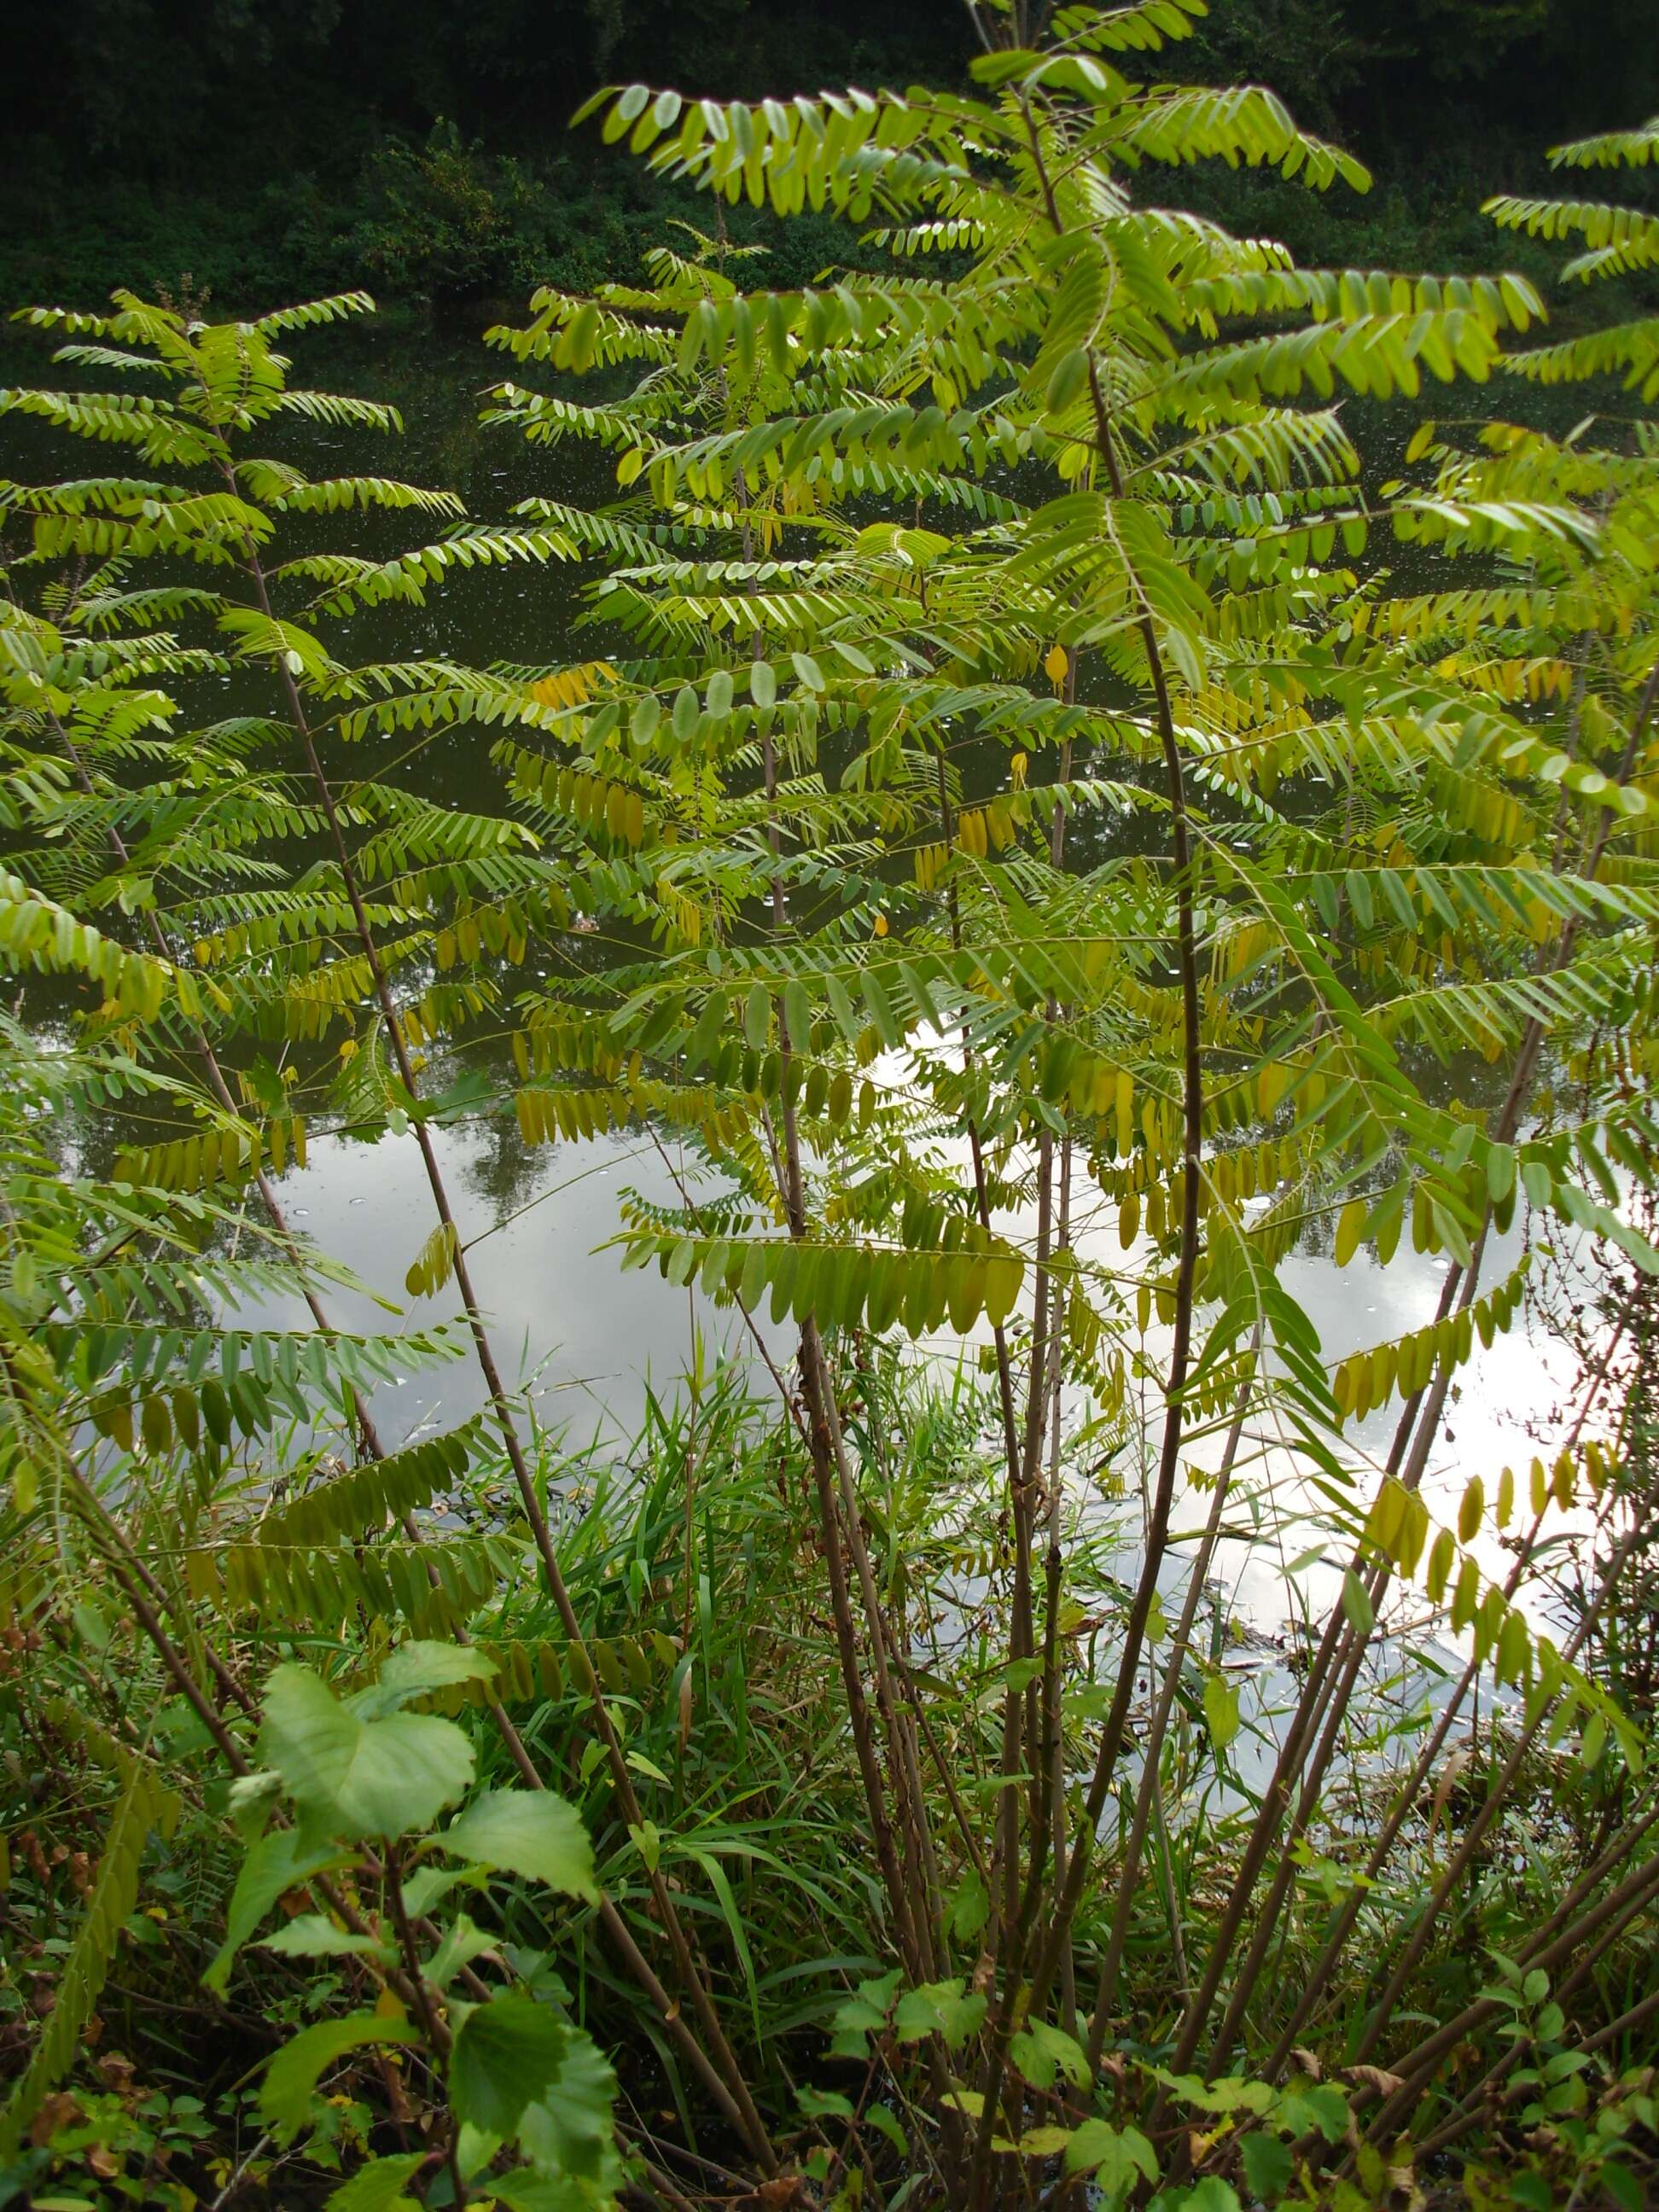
<point x="58" y="2110"/>
<point x="1376" y="2077"/>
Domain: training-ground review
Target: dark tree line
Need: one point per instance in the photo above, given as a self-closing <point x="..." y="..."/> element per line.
<point x="292" y="139"/>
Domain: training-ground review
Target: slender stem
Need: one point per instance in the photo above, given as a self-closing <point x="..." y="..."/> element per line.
<point x="831" y="1474"/>
<point x="1156" y="1534"/>
<point x="1152" y="1749"/>
<point x="1315" y="1982"/>
<point x="1004" y="1885"/>
<point x="436" y="2033"/>
<point x="1602" y="1924"/>
<point x="1336" y="1665"/>
<point x="1058" y="1936"/>
<point x="708" y="2019"/>
<point x="1497" y="1799"/>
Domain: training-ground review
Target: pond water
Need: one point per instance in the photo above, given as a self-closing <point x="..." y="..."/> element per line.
<point x="584" y="1338"/>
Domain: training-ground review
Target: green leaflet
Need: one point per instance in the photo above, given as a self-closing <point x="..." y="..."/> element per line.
<point x="526" y="1831"/>
<point x="357" y="1777"/>
<point x="508" y="2053"/>
<point x="373" y="1495"/>
<point x="841" y="1283"/>
<point x="276" y="1863"/>
<point x="291" y="2078"/>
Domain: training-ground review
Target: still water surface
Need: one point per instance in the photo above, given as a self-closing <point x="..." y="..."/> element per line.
<point x="585" y="1340"/>
<point x="540" y="1217"/>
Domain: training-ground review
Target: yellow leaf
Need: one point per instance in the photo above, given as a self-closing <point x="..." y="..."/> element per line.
<point x="1056" y="663"/>
<point x="881" y="925"/>
<point x="1042" y="2143"/>
<point x="1350" y="1222"/>
<point x="1387" y="1517"/>
<point x="1506" y="1497"/>
<point x="1125" y="1105"/>
<point x="1469" y="1512"/>
<point x="1465" y="1596"/>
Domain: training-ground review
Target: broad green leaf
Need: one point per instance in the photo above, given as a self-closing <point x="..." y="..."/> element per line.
<point x="413" y="1670"/>
<point x="1221" y="1710"/>
<point x="1067" y="379"/>
<point x="1117" y="2157"/>
<point x="1268" y="2165"/>
<point x="1309" y="2104"/>
<point x="1350" y="1224"/>
<point x="1208" y="2194"/>
<point x="380" y="2186"/>
<point x="938" y="2009"/>
<point x="275" y="1863"/>
<point x="463" y="1942"/>
<point x="506" y="2054"/>
<point x="292" y="2076"/>
<point x="424" y="1886"/>
<point x="1039" y="2050"/>
<point x="568" y="2129"/>
<point x="1356" y="1604"/>
<point x="969" y="1906"/>
<point x="384" y="1778"/>
<point x="1042" y="2143"/>
<point x="824" y="2104"/>
<point x="887" y="2124"/>
<point x="313" y="1936"/>
<point x="531" y="1833"/>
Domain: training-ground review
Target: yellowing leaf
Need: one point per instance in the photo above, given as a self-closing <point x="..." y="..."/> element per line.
<point x="1469" y="1512"/>
<point x="1221" y="1710"/>
<point x="1349" y="1223"/>
<point x="1505" y="1505"/>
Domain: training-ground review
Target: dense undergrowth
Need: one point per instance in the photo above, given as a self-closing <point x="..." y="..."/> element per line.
<point x="1064" y="843"/>
<point x="694" y="1564"/>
